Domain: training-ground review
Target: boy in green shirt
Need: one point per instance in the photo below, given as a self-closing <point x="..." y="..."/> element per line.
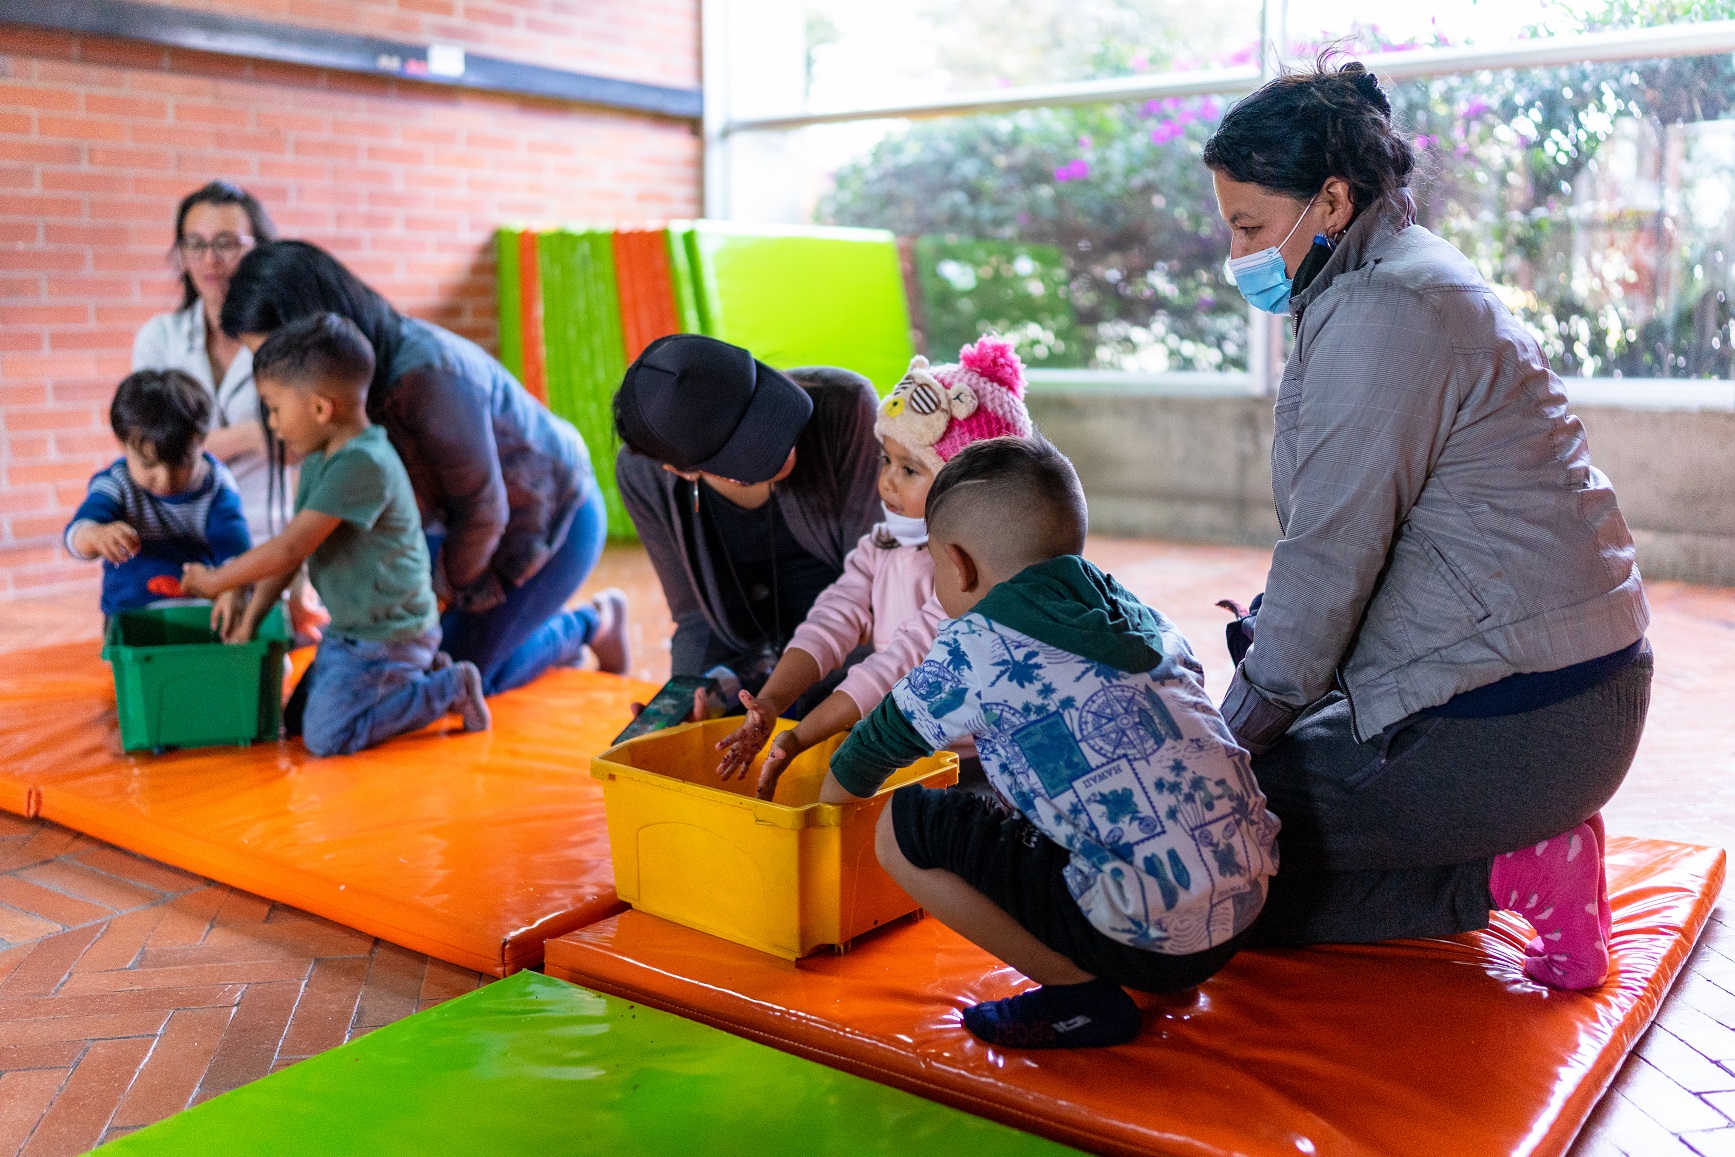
<point x="379" y="671"/>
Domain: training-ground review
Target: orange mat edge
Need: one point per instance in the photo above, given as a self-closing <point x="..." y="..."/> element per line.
<point x="1553" y="1133"/>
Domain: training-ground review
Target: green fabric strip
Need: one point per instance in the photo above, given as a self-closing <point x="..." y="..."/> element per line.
<point x="509" y="299"/>
<point x="875" y="748"/>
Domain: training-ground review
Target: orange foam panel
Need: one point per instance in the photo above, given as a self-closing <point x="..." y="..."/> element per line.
<point x="472" y="848"/>
<point x="1437" y="1047"/>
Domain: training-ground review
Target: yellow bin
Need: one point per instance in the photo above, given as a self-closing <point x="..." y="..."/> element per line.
<point x="787" y="876"/>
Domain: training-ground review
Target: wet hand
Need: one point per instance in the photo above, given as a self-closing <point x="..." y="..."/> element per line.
<point x="229" y="617"/>
<point x="741" y="745"/>
<point x="783" y="749"/>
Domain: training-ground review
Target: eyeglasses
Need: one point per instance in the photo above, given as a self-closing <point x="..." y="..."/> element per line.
<point x="226" y="246"/>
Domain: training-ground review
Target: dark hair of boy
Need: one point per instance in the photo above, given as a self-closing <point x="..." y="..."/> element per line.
<point x="323" y="350"/>
<point x="164" y="411"/>
<point x="221" y="193"/>
<point x="286" y="281"/>
<point x="1014" y="501"/>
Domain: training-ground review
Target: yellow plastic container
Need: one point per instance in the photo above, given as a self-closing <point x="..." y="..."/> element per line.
<point x="786" y="876"/>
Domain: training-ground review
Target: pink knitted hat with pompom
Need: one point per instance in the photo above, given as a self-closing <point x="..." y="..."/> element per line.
<point x="936" y="411"/>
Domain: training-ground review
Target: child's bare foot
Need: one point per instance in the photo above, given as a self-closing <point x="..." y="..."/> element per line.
<point x="609" y="642"/>
<point x="1560" y="886"/>
<point x="472" y="705"/>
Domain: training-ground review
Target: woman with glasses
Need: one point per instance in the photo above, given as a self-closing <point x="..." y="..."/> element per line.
<point x="215" y="227"/>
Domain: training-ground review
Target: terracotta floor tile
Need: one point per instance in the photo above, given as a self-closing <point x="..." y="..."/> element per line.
<point x="139" y="870"/>
<point x="393" y="987"/>
<point x="44" y="844"/>
<point x="186" y="976"/>
<point x="24" y="1098"/>
<point x="128" y="1000"/>
<point x="57" y="1055"/>
<point x="101" y="1026"/>
<point x="242" y="908"/>
<point x="97" y="887"/>
<point x="120" y="942"/>
<point x="80" y="1114"/>
<point x="11" y="958"/>
<point x="48" y="963"/>
<point x="187" y="918"/>
<point x="11" y="825"/>
<point x="444" y="981"/>
<point x="176" y="1066"/>
<point x="21" y="927"/>
<point x="21" y="894"/>
<point x="327" y="1006"/>
<point x="250" y="1042"/>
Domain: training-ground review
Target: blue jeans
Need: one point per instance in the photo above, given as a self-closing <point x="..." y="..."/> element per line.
<point x="531" y="631"/>
<point x="363" y="693"/>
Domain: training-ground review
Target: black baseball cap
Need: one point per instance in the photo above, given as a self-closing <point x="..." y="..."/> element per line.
<point x="696" y="403"/>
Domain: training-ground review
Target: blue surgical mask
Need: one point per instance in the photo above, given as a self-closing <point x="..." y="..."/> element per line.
<point x="1262" y="277"/>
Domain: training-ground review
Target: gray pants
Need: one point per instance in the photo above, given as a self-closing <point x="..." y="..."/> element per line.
<point x="1393" y="838"/>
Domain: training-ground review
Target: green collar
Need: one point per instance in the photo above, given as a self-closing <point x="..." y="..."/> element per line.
<point x="1070" y="604"/>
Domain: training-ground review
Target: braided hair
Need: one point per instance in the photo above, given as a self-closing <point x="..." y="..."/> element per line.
<point x="1309" y="125"/>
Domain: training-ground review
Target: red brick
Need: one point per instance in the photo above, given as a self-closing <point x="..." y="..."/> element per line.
<point x="327" y="1007"/>
<point x="249" y="1045"/>
<point x="167" y="1082"/>
<point x="139" y="870"/>
<point x="24" y="1097"/>
<point x="49" y="905"/>
<point x="96" y="887"/>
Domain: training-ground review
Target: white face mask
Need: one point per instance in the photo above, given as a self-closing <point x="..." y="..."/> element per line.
<point x="908" y="531"/>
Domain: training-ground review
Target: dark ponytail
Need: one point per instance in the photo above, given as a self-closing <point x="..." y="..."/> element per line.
<point x="1306" y="126"/>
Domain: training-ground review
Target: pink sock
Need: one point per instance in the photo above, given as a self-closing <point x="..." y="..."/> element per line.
<point x="1560" y="887"/>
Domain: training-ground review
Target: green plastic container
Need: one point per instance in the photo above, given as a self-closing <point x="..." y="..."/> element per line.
<point x="175" y="685"/>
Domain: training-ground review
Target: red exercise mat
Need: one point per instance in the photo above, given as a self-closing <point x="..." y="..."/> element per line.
<point x="472" y="848"/>
<point x="530" y="315"/>
<point x="1412" y="1047"/>
<point x="647" y="295"/>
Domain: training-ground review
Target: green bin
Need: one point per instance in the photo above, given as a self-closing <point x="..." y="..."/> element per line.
<point x="175" y="685"/>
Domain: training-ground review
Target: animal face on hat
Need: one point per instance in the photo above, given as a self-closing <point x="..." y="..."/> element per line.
<point x="935" y="411"/>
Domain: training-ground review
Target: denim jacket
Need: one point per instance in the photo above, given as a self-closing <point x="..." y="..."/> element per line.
<point x="1443" y="526"/>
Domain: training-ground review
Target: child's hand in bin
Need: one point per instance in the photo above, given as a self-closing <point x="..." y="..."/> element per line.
<point x="742" y="744"/>
<point x="196" y="581"/>
<point x="228" y="617"/>
<point x="784" y="748"/>
<point x="117" y="542"/>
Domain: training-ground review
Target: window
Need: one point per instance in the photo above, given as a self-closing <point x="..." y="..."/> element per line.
<point x="1044" y="178"/>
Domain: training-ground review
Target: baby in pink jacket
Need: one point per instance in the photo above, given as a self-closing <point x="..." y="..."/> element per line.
<point x="886" y="592"/>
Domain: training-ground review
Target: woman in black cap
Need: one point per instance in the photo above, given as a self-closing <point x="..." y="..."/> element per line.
<point x="748" y="487"/>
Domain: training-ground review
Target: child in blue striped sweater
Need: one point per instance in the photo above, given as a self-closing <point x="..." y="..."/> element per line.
<point x="163" y="504"/>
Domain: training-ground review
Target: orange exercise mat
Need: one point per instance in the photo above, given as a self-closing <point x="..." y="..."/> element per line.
<point x="472" y="848"/>
<point x="1437" y="1046"/>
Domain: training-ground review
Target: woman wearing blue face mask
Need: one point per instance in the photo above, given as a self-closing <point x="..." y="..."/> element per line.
<point x="1448" y="662"/>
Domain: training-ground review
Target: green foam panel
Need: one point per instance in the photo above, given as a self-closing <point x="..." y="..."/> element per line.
<point x="532" y="1065"/>
<point x="585" y="353"/>
<point x="798" y="295"/>
<point x="511" y="307"/>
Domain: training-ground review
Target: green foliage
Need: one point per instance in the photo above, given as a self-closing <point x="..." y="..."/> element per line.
<point x="1018" y="290"/>
<point x="1537" y="175"/>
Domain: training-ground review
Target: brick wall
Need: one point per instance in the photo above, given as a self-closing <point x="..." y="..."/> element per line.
<point x="404" y="182"/>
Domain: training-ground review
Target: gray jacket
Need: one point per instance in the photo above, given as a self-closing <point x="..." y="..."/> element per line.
<point x="1443" y="527"/>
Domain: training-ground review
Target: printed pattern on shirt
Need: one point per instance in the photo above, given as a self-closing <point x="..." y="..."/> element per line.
<point x="1135" y="774"/>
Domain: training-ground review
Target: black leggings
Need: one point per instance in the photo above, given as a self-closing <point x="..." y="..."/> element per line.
<point x="1393" y="837"/>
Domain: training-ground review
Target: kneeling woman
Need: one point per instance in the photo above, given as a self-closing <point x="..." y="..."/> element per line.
<point x="504" y="486"/>
<point x="1449" y="662"/>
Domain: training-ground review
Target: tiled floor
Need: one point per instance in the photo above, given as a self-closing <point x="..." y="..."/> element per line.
<point x="129" y="989"/>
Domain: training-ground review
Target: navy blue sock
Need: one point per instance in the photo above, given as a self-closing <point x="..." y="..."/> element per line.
<point x="1058" y="1016"/>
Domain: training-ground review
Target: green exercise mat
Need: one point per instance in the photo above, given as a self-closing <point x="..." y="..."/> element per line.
<point x="510" y="303"/>
<point x="584" y="351"/>
<point x="535" y="1066"/>
<point x="798" y="295"/>
<point x="1022" y="292"/>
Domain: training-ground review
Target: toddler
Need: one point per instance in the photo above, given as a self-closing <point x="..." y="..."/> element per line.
<point x="1137" y="849"/>
<point x="165" y="503"/>
<point x="379" y="671"/>
<point x="886" y="592"/>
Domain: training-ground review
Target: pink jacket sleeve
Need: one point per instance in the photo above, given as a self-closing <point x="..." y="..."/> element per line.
<point x="871" y="680"/>
<point x="842" y="617"/>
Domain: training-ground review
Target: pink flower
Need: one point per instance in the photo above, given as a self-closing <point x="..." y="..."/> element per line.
<point x="1074" y="170"/>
